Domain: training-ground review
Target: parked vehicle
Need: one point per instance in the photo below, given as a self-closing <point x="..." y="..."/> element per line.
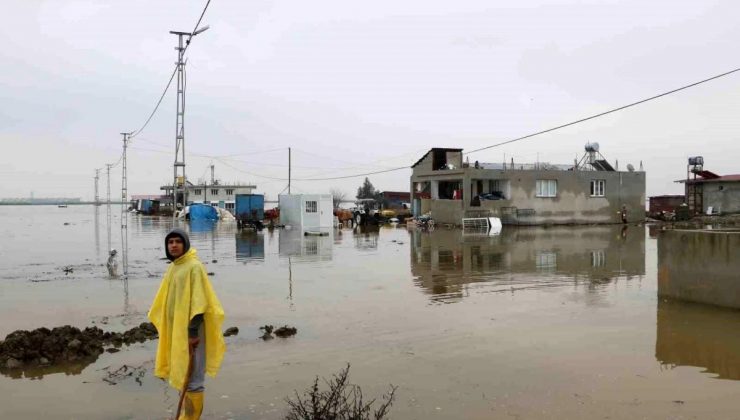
<point x="366" y="210"/>
<point x="493" y="195"/>
<point x="250" y="210"/>
<point x="425" y="221"/>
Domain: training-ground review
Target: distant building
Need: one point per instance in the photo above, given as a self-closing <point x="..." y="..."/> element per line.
<point x="214" y="194"/>
<point x="589" y="191"/>
<point x="660" y="204"/>
<point x="709" y="193"/>
<point x="395" y="199"/>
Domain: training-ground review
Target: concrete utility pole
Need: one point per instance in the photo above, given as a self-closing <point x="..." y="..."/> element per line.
<point x="179" y="182"/>
<point x="97" y="177"/>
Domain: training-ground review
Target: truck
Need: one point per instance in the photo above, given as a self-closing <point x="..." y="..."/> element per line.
<point x="249" y="210"/>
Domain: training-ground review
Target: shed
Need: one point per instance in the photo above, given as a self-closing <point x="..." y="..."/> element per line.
<point x="307" y="211"/>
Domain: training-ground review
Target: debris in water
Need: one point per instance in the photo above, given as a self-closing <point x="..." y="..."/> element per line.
<point x="68" y="269"/>
<point x="267" y="328"/>
<point x="268" y="332"/>
<point x="231" y="331"/>
<point x="211" y="273"/>
<point x="285" y="331"/>
<point x="214" y="261"/>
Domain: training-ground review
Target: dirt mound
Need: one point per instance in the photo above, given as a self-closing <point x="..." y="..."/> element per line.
<point x="44" y="347"/>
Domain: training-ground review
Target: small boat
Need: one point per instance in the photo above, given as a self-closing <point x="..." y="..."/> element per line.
<point x="62" y="206"/>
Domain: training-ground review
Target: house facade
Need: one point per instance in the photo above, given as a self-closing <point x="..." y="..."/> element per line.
<point x="216" y="194"/>
<point x="588" y="193"/>
<point x="709" y="193"/>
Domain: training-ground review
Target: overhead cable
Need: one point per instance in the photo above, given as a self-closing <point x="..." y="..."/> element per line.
<point x="172" y="76"/>
<point x="642" y="101"/>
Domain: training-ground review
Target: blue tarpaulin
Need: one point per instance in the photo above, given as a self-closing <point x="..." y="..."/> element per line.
<point x="203" y="212"/>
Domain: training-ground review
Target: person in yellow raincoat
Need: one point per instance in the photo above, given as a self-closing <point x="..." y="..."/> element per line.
<point x="188" y="317"/>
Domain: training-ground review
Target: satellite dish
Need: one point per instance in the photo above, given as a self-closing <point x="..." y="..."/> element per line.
<point x="630" y="167"/>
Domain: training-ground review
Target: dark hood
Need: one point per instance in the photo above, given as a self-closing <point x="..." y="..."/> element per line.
<point x="185" y="240"/>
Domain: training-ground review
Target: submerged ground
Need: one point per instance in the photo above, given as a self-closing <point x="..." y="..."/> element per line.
<point x="559" y="322"/>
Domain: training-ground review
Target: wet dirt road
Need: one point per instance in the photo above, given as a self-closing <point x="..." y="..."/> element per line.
<point x="535" y="323"/>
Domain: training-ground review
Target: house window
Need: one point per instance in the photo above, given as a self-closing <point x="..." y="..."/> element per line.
<point x="196" y="192"/>
<point x="546" y="260"/>
<point x="214" y="191"/>
<point x="229" y="191"/>
<point x="547" y="188"/>
<point x="597" y="187"/>
<point x="230" y="206"/>
<point x="598" y="259"/>
<point x="311" y="206"/>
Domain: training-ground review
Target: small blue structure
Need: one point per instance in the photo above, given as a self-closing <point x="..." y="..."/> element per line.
<point x="250" y="210"/>
<point x="202" y="212"/>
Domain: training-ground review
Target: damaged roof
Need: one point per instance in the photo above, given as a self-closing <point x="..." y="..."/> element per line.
<point x="446" y="149"/>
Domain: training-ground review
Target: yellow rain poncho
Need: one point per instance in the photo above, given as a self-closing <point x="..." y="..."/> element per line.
<point x="185" y="292"/>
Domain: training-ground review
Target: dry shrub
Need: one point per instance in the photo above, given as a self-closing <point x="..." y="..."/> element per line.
<point x="342" y="401"/>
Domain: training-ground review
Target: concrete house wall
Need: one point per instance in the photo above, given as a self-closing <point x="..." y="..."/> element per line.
<point x="573" y="203"/>
<point x="723" y="197"/>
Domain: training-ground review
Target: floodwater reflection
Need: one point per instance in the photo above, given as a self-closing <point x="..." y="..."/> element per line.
<point x="250" y="245"/>
<point x="366" y="237"/>
<point x="447" y="262"/>
<point x="294" y="243"/>
<point x="698" y="335"/>
<point x="38" y="372"/>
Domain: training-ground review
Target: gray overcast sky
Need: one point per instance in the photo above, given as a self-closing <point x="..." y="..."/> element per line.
<point x="355" y="87"/>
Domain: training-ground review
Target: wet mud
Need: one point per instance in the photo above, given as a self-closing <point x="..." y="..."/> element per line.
<point x="62" y="349"/>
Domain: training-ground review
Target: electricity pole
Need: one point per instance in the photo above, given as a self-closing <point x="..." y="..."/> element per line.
<point x="179" y="182"/>
<point x="124" y="207"/>
<point x="97" y="177"/>
<point x="288" y="170"/>
<point x="108" y="215"/>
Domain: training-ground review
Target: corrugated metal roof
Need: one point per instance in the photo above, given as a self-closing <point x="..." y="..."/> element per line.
<point x="724" y="178"/>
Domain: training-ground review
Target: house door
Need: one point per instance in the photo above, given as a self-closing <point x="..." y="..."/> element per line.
<point x="311" y="216"/>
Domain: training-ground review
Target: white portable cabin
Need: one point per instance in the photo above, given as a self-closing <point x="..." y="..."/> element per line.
<point x="307" y="212"/>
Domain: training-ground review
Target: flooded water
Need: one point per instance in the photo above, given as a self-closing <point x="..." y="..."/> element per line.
<point x="560" y="322"/>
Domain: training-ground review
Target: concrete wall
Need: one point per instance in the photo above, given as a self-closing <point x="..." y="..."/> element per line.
<point x="726" y="200"/>
<point x="700" y="266"/>
<point x="573" y="203"/>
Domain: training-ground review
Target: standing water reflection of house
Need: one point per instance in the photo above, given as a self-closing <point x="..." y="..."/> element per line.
<point x="446" y="263"/>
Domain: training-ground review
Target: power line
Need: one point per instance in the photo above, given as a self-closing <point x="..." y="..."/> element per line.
<point x="352" y="176"/>
<point x="172" y="76"/>
<point x="156" y="107"/>
<point x="642" y="101"/>
<point x="623" y="107"/>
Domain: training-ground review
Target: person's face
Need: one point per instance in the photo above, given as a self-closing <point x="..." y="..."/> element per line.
<point x="175" y="246"/>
